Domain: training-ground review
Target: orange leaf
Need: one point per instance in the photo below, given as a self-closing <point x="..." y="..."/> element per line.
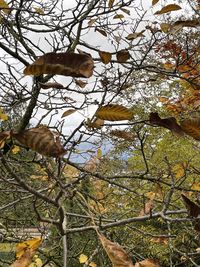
<point x="192" y="127"/>
<point x="67" y="64"/>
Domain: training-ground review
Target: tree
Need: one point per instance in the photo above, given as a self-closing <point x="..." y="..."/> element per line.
<point x="99" y="132"/>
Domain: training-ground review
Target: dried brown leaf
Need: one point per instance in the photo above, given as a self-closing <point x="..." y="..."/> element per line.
<point x="51" y="85"/>
<point x="102" y="32"/>
<point x="148" y="263"/>
<point x="67" y="64"/>
<point x="110" y="3"/>
<point x="123" y="56"/>
<point x="41" y="140"/>
<point x="167" y="9"/>
<point x="118" y="16"/>
<point x="135" y="35"/>
<point x="91" y="22"/>
<point x="154" y="2"/>
<point x="105" y="57"/>
<point x="169" y="123"/>
<point x="147" y="208"/>
<point x="68" y="112"/>
<point x="116" y="253"/>
<point x="193" y="211"/>
<point x="80" y="83"/>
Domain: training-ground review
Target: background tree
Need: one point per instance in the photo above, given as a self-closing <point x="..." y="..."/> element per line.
<point x="89" y="92"/>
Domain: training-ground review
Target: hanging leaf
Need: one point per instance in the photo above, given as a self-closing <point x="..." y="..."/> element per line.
<point x="105" y="56"/>
<point x="127" y="11"/>
<point x="83" y="258"/>
<point x="147" y="208"/>
<point x="123" y="56"/>
<point x="123" y="134"/>
<point x="67" y="64"/>
<point x="116" y="253"/>
<point x="51" y="85"/>
<point x="97" y="123"/>
<point x="191" y="127"/>
<point x="118" y="16"/>
<point x="80" y="83"/>
<point x="114" y="112"/>
<point x="25" y="252"/>
<point x="154" y="2"/>
<point x="68" y="112"/>
<point x="165" y="27"/>
<point x="41" y="140"/>
<point x="193" y="211"/>
<point x="91" y="22"/>
<point x="169" y="123"/>
<point x="110" y="3"/>
<point x="167" y="9"/>
<point x="101" y="31"/>
<point x="148" y="263"/>
<point x="5" y="7"/>
<point x="39" y="10"/>
<point x="135" y="35"/>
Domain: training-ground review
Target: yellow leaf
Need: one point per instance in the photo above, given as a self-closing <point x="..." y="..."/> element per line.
<point x="113" y="112"/>
<point x="110" y="3"/>
<point x="68" y="112"/>
<point x="37" y="262"/>
<point x="31" y="244"/>
<point x="167" y="9"/>
<point x="154" y="2"/>
<point x="92" y="264"/>
<point x="165" y="27"/>
<point x="3" y="116"/>
<point x="118" y="16"/>
<point x="151" y="195"/>
<point x="15" y="149"/>
<point x="99" y="153"/>
<point x="83" y="258"/>
<point x="196" y="186"/>
<point x="39" y="10"/>
<point x="179" y="170"/>
<point x="105" y="56"/>
<point x="5" y="7"/>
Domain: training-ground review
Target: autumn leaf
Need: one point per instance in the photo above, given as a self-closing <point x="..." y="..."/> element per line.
<point x="102" y="32"/>
<point x="97" y="123"/>
<point x="191" y="127"/>
<point x="123" y="56"/>
<point x="154" y="2"/>
<point x="135" y="35"/>
<point x="68" y="112"/>
<point x="105" y="56"/>
<point x="196" y="186"/>
<point x="147" y="208"/>
<point x="127" y="11"/>
<point x="118" y="16"/>
<point x="3" y="137"/>
<point x="36" y="262"/>
<point x="160" y="240"/>
<point x="41" y="140"/>
<point x="148" y="263"/>
<point x="80" y="83"/>
<point x="193" y="211"/>
<point x="3" y="116"/>
<point x="123" y="134"/>
<point x="179" y="170"/>
<point x="92" y="264"/>
<point x="91" y="22"/>
<point x="25" y="252"/>
<point x="83" y="258"/>
<point x="114" y="112"/>
<point x="167" y="9"/>
<point x="116" y="253"/>
<point x="67" y="64"/>
<point x="5" y="7"/>
<point x="169" y="123"/>
<point x="39" y="10"/>
<point x="165" y="27"/>
<point x="15" y="149"/>
<point x="110" y="3"/>
<point x="51" y="85"/>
